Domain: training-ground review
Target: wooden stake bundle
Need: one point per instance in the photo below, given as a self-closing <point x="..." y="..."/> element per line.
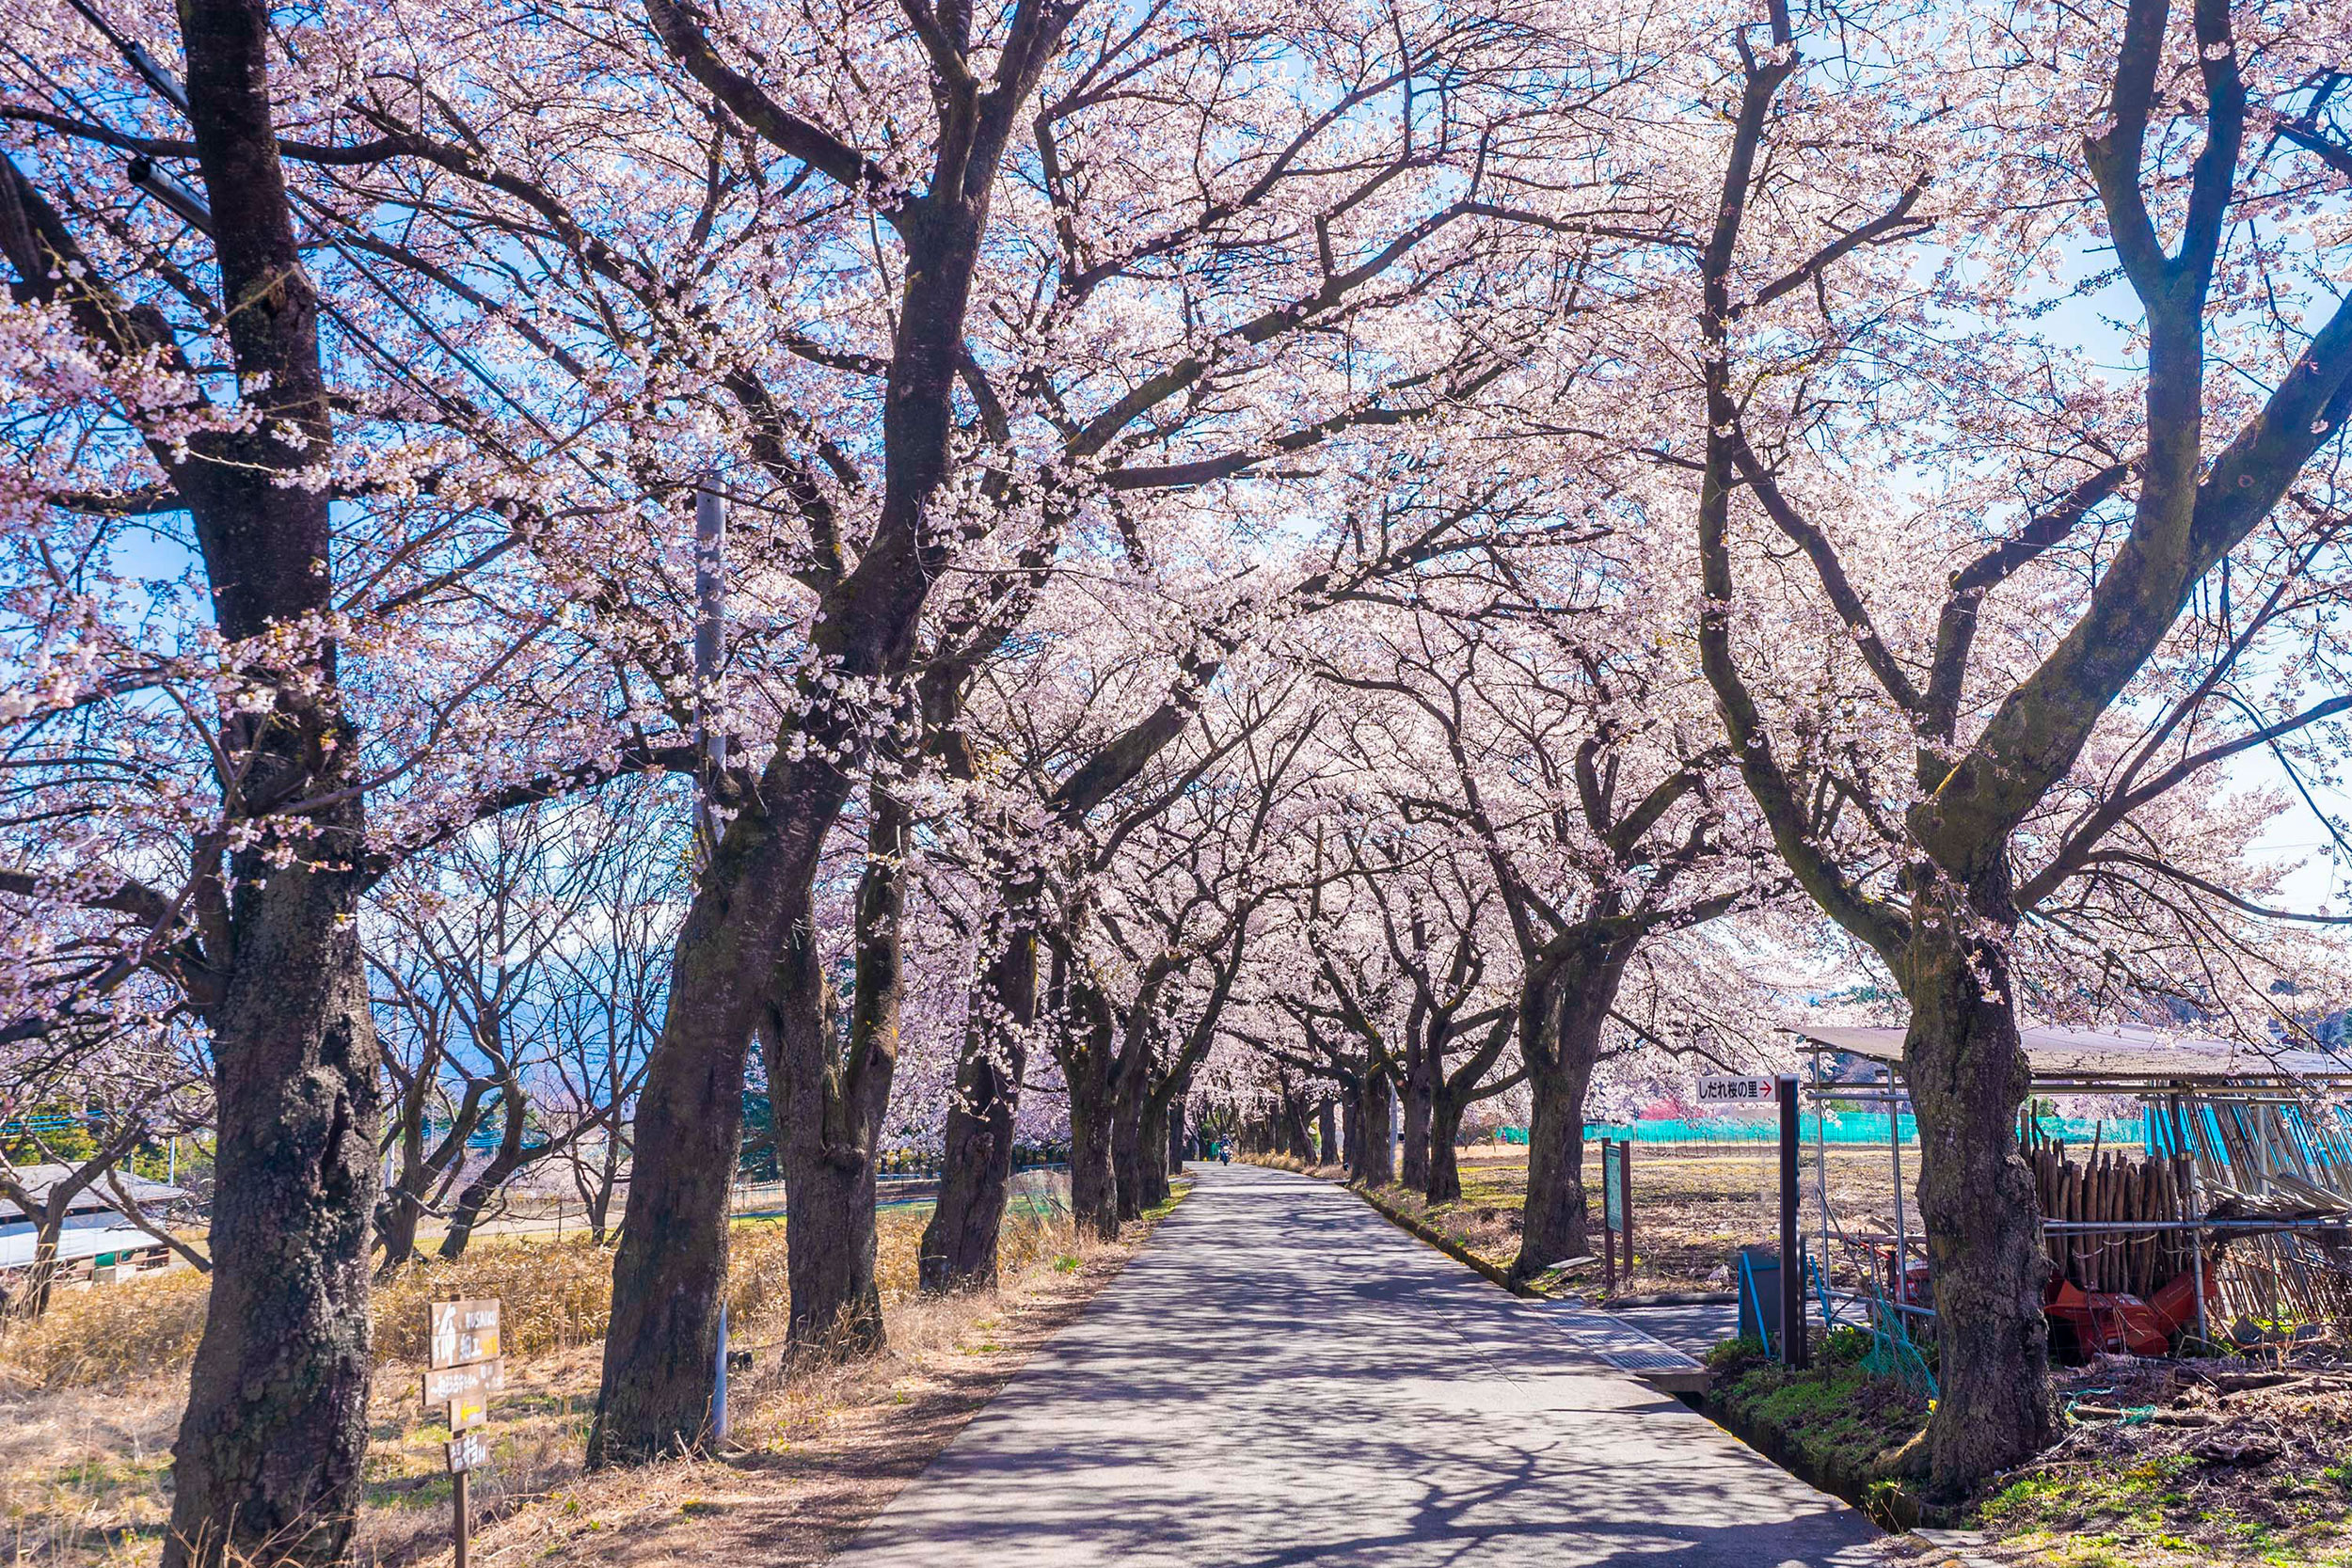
<point x="2112" y="1188"/>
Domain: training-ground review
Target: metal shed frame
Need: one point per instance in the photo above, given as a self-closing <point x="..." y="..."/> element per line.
<point x="2187" y="1079"/>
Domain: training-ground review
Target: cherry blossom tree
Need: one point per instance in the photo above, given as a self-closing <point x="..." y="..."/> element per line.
<point x="1543" y="724"/>
<point x="2050" y="595"/>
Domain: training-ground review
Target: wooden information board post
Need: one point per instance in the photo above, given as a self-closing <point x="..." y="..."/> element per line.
<point x="1616" y="1209"/>
<point x="465" y="1370"/>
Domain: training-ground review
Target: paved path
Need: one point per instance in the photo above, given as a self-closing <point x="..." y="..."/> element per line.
<point x="1284" y="1378"/>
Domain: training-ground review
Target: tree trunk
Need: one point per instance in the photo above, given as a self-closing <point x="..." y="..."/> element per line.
<point x="40" y="1280"/>
<point x="671" y="1267"/>
<point x="1967" y="1077"/>
<point x="1093" y="1191"/>
<point x="746" y="936"/>
<point x="267" y="1466"/>
<point x="1130" y="1098"/>
<point x="476" y="1197"/>
<point x="1552" y="1221"/>
<point x="1559" y="1069"/>
<point x="835" y="1092"/>
<point x="1151" y="1155"/>
<point x="1376" y="1153"/>
<point x="268" y="1461"/>
<point x="1419" y="1089"/>
<point x="1444" y="1180"/>
<point x="829" y="1257"/>
<point x="1327" y="1131"/>
<point x="600" y="1202"/>
<point x="753" y="898"/>
<point x="1084" y="1054"/>
<point x="959" y="1245"/>
<point x="1176" y="1134"/>
<point x="401" y="1217"/>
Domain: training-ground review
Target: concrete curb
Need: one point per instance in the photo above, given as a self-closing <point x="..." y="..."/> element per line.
<point x="1495" y="1273"/>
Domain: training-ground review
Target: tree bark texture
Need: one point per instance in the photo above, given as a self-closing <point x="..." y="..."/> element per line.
<point x="1151" y="1163"/>
<point x="1375" y="1152"/>
<point x="755" y="895"/>
<point x="1420" y="1071"/>
<point x="1131" y="1142"/>
<point x="267" y="1464"/>
<point x="837" y="1092"/>
<point x="1560" y="1059"/>
<point x="1093" y="1189"/>
<point x="1084" y="1054"/>
<point x="1967" y="1076"/>
<point x="959" y="1245"/>
<point x="1443" y="1180"/>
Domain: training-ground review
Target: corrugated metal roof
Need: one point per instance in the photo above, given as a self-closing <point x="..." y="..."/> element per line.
<point x="37" y="1180"/>
<point x="2125" y="1055"/>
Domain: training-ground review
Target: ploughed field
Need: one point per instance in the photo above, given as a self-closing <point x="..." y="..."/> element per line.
<point x="1693" y="1206"/>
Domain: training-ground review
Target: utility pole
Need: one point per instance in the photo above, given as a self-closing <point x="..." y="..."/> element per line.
<point x="1397" y="1135"/>
<point x="711" y="640"/>
<point x="710" y="650"/>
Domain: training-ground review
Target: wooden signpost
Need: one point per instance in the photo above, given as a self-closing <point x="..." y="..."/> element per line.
<point x="465" y="1370"/>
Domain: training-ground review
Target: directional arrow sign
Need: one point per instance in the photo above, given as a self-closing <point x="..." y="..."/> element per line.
<point x="1742" y="1090"/>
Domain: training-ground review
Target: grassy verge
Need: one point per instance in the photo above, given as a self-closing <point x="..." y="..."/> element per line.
<point x="1839" y="1426"/>
<point x="2160" y="1465"/>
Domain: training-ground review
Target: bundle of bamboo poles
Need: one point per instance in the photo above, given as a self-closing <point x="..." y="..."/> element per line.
<point x="2106" y="1188"/>
<point x="2292" y="1157"/>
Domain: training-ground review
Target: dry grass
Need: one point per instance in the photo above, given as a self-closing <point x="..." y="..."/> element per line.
<point x="91" y="1396"/>
<point x="108" y="1333"/>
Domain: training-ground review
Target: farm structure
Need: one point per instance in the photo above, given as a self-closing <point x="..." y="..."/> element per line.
<point x="97" y="1238"/>
<point x="2230" y="1222"/>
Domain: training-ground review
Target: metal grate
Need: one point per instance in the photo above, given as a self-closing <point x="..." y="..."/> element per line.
<point x="1622" y="1345"/>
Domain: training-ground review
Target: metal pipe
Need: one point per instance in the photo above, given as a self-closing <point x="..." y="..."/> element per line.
<point x="1895" y="1148"/>
<point x="1821" y="1168"/>
<point x="719" y="1383"/>
<point x="2234" y="1228"/>
<point x="1794" y="1350"/>
<point x="1625" y="1181"/>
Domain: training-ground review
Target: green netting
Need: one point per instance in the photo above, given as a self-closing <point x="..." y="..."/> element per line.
<point x="1835" y="1127"/>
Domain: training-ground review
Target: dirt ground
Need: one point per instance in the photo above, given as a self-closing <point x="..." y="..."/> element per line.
<point x="84" y="1461"/>
<point x="2184" y="1464"/>
<point x="809" y="1464"/>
